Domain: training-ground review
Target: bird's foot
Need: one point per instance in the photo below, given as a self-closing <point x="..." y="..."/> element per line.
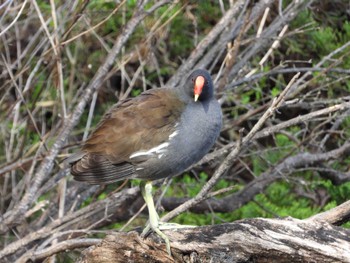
<point x="163" y="226"/>
<point x="146" y="190"/>
<point x="154" y="224"/>
<point x="150" y="227"/>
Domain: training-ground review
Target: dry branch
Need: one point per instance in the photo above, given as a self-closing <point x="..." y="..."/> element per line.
<point x="83" y="218"/>
<point x="258" y="185"/>
<point x="336" y="216"/>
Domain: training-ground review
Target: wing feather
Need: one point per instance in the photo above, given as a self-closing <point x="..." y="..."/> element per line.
<point x="135" y="125"/>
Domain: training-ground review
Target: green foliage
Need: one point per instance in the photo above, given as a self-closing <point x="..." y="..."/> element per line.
<point x="283" y="140"/>
<point x="252" y="95"/>
<point x="193" y="186"/>
<point x="245" y="98"/>
<point x="135" y="92"/>
<point x="179" y="46"/>
<point x="339" y="193"/>
<point x="346" y="35"/>
<point x="275" y="92"/>
<point x="323" y="40"/>
<point x="345" y="125"/>
<point x="282" y="201"/>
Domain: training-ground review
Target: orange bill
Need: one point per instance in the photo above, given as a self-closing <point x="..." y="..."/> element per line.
<point x="198" y="87"/>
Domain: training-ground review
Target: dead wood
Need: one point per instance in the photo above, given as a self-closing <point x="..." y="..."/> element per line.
<point x="250" y="240"/>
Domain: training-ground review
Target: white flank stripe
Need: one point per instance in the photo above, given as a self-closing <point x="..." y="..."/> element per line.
<point x="173" y="134"/>
<point x="156" y="150"/>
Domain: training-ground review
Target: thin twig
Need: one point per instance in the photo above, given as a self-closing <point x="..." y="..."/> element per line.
<point x="15" y="19"/>
<point x="57" y="248"/>
<point x="95" y="26"/>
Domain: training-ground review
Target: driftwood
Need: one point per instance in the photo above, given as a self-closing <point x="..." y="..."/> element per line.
<point x="249" y="240"/>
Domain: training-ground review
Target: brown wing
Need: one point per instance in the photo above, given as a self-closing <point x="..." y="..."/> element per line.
<point x="134" y="125"/>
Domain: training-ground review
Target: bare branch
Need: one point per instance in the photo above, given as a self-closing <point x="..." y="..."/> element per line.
<point x="335" y="216"/>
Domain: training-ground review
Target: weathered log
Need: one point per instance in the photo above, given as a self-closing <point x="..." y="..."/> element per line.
<point x="249" y="240"/>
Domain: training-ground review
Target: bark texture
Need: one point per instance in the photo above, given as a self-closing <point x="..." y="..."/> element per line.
<point x="251" y="240"/>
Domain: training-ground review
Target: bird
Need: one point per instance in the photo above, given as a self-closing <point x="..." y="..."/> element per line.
<point x="158" y="134"/>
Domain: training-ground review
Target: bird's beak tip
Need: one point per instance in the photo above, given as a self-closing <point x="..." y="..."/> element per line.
<point x="196" y="96"/>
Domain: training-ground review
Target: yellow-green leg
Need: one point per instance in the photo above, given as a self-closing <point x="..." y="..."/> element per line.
<point x="146" y="190"/>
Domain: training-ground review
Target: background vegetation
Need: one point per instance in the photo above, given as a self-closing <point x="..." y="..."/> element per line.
<point x="51" y="54"/>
